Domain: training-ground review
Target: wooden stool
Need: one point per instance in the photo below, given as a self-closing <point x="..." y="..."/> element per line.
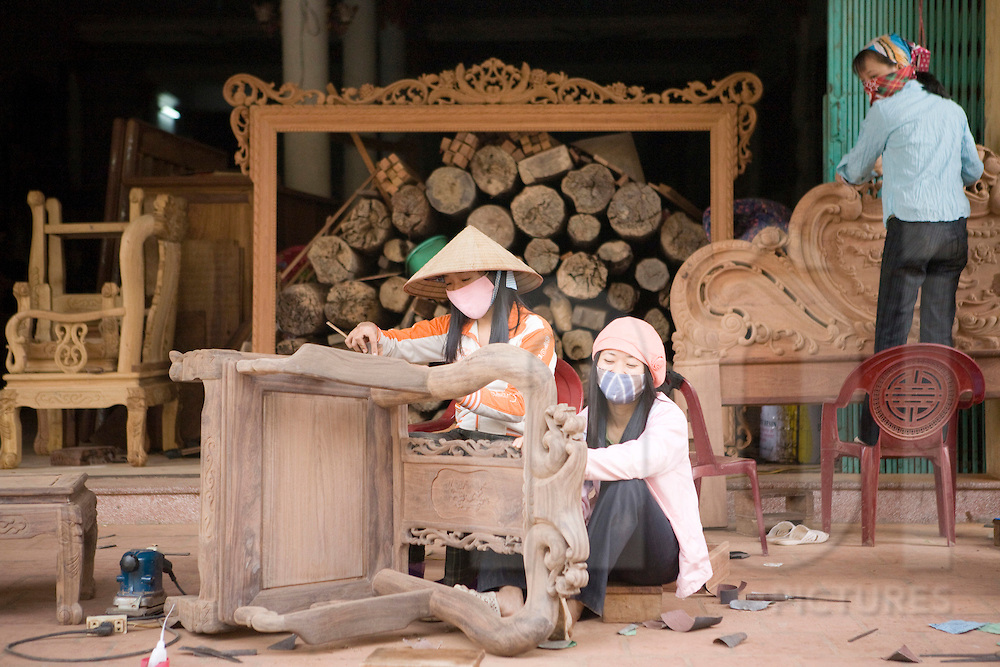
<point x="60" y="505"/>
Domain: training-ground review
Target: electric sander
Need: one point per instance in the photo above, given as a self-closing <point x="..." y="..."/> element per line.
<point x="140" y="590"/>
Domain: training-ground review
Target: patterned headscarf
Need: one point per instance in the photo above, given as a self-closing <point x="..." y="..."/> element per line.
<point x="911" y="58"/>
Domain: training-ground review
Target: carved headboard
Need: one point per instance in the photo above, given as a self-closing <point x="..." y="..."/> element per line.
<point x="468" y="99"/>
<point x="784" y="318"/>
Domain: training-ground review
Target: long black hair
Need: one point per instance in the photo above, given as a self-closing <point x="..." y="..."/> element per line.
<point x="926" y="79"/>
<point x="505" y="300"/>
<point x="597" y="411"/>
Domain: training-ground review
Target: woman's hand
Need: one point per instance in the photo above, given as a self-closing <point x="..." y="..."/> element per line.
<point x="364" y="338"/>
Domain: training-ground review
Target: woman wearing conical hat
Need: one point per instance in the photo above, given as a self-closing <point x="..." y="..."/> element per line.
<point x="482" y="281"/>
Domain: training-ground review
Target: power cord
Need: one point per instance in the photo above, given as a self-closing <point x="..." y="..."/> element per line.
<point x="103" y="630"/>
<point x="168" y="567"/>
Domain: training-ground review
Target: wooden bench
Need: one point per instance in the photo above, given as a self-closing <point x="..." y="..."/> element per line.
<point x="61" y="505"/>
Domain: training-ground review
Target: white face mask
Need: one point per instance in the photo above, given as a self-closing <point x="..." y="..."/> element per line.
<point x="473" y="299"/>
<point x="620" y="388"/>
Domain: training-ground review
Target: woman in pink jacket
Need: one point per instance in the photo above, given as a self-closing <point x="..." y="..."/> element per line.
<point x="640" y="502"/>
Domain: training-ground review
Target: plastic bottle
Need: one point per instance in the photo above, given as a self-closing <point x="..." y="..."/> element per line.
<point x="158" y="658"/>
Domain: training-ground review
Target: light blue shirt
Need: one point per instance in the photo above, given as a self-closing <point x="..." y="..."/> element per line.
<point x="928" y="156"/>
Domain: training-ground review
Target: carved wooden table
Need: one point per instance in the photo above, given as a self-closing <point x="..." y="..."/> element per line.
<point x="59" y="505"/>
<point x="311" y="492"/>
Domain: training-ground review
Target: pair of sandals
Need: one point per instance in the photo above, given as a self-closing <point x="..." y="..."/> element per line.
<point x="787" y="533"/>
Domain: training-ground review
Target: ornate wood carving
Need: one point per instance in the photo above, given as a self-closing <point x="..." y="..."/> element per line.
<point x="493" y="82"/>
<point x="477" y="448"/>
<point x="812" y="293"/>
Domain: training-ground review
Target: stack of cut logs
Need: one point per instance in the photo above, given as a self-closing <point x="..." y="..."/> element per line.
<point x="605" y="243"/>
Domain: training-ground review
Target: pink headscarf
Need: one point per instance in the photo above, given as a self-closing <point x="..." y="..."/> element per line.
<point x="637" y="338"/>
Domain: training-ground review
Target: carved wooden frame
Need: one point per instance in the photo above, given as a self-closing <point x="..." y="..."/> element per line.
<point x="465" y="99"/>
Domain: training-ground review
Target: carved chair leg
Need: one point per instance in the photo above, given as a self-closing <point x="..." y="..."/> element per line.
<point x="135" y="430"/>
<point x="10" y="432"/>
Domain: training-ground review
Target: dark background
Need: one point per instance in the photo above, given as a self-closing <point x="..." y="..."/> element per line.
<point x="69" y="68"/>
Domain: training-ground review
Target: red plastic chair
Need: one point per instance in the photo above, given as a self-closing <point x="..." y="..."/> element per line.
<point x="569" y="390"/>
<point x="705" y="463"/>
<point x="915" y="393"/>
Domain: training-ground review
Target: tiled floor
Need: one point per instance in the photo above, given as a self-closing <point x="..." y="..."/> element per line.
<point x="910" y="579"/>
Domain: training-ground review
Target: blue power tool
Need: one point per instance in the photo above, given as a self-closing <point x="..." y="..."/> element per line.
<point x="140" y="591"/>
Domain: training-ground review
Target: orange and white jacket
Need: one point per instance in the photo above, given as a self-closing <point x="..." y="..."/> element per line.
<point x="497" y="408"/>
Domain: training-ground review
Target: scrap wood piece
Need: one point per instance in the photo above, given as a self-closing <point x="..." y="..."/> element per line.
<point x="862" y="635"/>
<point x="370" y="166"/>
<point x="678" y="199"/>
<point x="297" y="266"/>
<point x="679" y="620"/>
<point x="458" y="150"/>
<point x="616" y="149"/>
<point x="732" y="640"/>
<point x="903" y="654"/>
<point x="392" y="173"/>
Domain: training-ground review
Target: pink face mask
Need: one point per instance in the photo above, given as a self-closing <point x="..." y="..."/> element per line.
<point x="474" y="299"/>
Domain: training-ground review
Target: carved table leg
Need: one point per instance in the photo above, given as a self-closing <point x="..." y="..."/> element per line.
<point x="135" y="429"/>
<point x="69" y="563"/>
<point x="169" y="419"/>
<point x="50" y="432"/>
<point x="10" y="430"/>
<point x="88" y="510"/>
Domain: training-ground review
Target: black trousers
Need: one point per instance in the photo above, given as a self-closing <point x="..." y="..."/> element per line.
<point x="631" y="542"/>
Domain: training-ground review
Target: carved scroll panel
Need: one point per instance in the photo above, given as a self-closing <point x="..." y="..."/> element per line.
<point x="811" y="293"/>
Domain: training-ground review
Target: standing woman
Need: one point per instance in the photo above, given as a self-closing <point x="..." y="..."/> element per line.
<point x="928" y="157"/>
<point x="640" y="502"/>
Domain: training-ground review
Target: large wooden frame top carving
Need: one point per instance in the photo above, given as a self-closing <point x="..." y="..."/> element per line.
<point x="460" y="100"/>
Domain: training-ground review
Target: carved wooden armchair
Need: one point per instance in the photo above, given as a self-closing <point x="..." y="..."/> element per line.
<point x="68" y="351"/>
<point x="312" y="487"/>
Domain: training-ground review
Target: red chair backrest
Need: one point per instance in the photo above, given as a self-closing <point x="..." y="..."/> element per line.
<point x="569" y="388"/>
<point x="916" y="390"/>
<point x="699" y="430"/>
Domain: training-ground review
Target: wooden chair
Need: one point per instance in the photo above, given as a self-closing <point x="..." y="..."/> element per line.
<point x="569" y="390"/>
<point x="915" y="393"/>
<point x="705" y="463"/>
<point x="69" y="351"/>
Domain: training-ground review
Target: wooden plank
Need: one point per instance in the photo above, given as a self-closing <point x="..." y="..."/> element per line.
<point x="313" y="521"/>
<point x="632" y="604"/>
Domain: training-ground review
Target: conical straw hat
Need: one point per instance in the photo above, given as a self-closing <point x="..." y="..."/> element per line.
<point x="470" y="250"/>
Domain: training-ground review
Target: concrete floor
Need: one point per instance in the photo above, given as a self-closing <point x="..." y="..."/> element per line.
<point x="910" y="579"/>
